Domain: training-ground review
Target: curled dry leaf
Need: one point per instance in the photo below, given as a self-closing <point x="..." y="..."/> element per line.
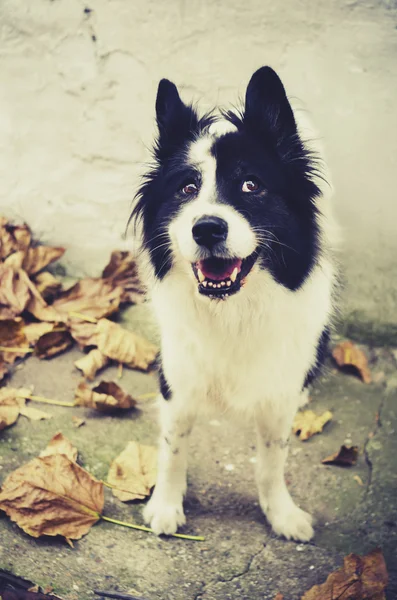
<point x="93" y="298"/>
<point x="52" y="495"/>
<point x="106" y="397"/>
<point x="77" y="421"/>
<point x="345" y="457"/>
<point x="91" y="363"/>
<point x="360" y="578"/>
<point x="9" y="407"/>
<point x="59" y="444"/>
<point x="14" y="292"/>
<point x="39" y="257"/>
<point x="13" y="238"/>
<point x="47" y="285"/>
<point x="347" y="354"/>
<point x="307" y="423"/>
<point x="53" y="342"/>
<point x="124" y="346"/>
<point x="83" y="332"/>
<point x="132" y="474"/>
<point x="34" y="331"/>
<point x="122" y="271"/>
<point x="34" y="414"/>
<point x="12" y="335"/>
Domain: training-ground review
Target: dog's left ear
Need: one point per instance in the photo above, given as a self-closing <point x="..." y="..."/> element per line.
<point x="266" y="105"/>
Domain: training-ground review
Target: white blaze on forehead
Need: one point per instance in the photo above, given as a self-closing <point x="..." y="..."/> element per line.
<point x="241" y="241"/>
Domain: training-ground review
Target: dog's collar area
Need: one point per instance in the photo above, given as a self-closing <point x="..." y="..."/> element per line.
<point x="219" y="278"/>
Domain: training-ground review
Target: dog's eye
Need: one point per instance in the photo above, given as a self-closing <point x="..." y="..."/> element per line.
<point x="189" y="189"/>
<point x="250" y="185"/>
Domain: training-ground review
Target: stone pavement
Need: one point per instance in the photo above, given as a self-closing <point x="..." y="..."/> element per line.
<point x="240" y="557"/>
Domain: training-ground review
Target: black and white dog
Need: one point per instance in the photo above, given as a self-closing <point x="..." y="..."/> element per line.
<point x="237" y="241"/>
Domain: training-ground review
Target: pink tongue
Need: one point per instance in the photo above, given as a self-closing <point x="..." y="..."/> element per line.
<point x="218" y="270"/>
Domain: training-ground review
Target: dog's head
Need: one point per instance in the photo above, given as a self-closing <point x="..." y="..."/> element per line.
<point x="232" y="195"/>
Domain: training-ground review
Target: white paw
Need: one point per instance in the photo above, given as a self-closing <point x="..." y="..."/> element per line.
<point x="163" y="516"/>
<point x="293" y="523"/>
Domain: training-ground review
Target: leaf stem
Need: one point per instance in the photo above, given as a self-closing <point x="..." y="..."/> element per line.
<point x="78" y="315"/>
<point x="195" y="538"/>
<point x="44" y="400"/>
<point x="12" y="349"/>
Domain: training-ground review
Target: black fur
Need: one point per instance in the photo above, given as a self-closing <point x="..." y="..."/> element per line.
<point x="321" y="354"/>
<point x="267" y="147"/>
<point x="164" y="385"/>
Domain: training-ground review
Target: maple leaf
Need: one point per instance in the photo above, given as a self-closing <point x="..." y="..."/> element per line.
<point x="33" y="260"/>
<point x="122" y="271"/>
<point x="59" y="444"/>
<point x="53" y="342"/>
<point x="346" y="456"/>
<point x="307" y="423"/>
<point x="12" y="335"/>
<point x="91" y="363"/>
<point x="106" y="397"/>
<point x="124" y="346"/>
<point x="347" y="354"/>
<point x="14" y="292"/>
<point x="13" y="238"/>
<point x="52" y="495"/>
<point x="360" y="578"/>
<point x="132" y="474"/>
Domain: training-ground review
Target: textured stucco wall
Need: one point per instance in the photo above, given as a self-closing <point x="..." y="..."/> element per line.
<point x="77" y="90"/>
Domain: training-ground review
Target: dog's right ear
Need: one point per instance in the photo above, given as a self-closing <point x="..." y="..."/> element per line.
<point x="176" y="121"/>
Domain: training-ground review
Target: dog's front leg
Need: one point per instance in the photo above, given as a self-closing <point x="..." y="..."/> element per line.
<point x="164" y="511"/>
<point x="285" y="517"/>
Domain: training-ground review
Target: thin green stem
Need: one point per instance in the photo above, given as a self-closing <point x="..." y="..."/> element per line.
<point x="195" y="538"/>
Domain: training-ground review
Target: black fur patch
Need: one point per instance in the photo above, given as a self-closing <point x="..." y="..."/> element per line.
<point x="164" y="387"/>
<point x="321" y="353"/>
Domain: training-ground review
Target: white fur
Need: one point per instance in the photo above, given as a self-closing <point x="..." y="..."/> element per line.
<point x="246" y="356"/>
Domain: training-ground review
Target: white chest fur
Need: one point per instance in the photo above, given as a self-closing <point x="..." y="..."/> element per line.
<point x="255" y="347"/>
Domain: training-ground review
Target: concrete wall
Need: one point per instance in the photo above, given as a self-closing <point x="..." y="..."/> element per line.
<point x="77" y="88"/>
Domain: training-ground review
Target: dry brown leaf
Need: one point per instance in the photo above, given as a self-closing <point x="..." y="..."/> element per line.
<point x="34" y="331"/>
<point x="13" y="238"/>
<point x="83" y="332"/>
<point x="14" y="292"/>
<point x="8" y="415"/>
<point x="77" y="422"/>
<point x="307" y="423"/>
<point x="279" y="597"/>
<point x="54" y="342"/>
<point x="91" y="363"/>
<point x="52" y="496"/>
<point x="347" y="354"/>
<point x="47" y="285"/>
<point x="91" y="297"/>
<point x="9" y="407"/>
<point x="124" y="346"/>
<point x="106" y="397"/>
<point x="345" y="457"/>
<point x="34" y="414"/>
<point x="122" y="271"/>
<point x="59" y="444"/>
<point x="12" y="335"/>
<point x="39" y="257"/>
<point x="133" y="472"/>
<point x="360" y="578"/>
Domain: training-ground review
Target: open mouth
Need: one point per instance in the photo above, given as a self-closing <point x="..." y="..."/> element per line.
<point x="221" y="277"/>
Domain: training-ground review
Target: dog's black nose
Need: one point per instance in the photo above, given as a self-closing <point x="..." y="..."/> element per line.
<point x="208" y="231"/>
